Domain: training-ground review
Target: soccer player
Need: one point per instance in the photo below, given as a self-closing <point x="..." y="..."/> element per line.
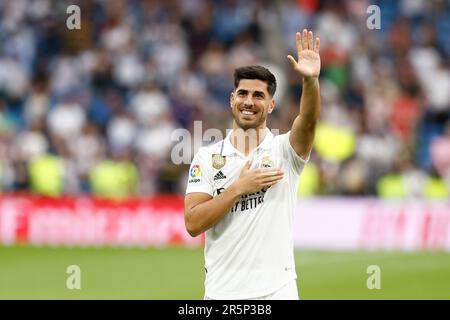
<point x="241" y="191"/>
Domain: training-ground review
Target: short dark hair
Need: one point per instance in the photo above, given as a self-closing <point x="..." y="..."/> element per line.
<point x="256" y="72"/>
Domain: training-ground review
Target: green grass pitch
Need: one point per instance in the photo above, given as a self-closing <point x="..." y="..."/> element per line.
<point x="177" y="273"/>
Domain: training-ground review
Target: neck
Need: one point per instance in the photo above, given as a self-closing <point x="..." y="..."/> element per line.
<point x="248" y="140"/>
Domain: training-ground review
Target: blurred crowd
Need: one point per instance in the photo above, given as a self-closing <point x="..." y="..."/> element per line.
<point x="93" y="110"/>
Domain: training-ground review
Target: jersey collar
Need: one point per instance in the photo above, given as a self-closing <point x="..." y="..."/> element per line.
<point x="228" y="148"/>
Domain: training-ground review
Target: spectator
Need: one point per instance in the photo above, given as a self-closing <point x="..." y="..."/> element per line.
<point x="92" y="110"/>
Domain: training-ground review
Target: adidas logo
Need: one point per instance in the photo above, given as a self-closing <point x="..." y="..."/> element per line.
<point x="219" y="175"/>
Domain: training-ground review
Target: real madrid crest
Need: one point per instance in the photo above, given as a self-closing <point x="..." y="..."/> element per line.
<point x="266" y="162"/>
<point x="218" y="161"/>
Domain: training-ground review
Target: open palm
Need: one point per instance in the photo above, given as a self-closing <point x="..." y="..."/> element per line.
<point x="308" y="64"/>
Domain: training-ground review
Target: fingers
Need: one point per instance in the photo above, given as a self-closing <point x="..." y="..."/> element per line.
<point x="317" y="46"/>
<point x="299" y="42"/>
<point x="273" y="177"/>
<point x="269" y="184"/>
<point x="305" y="39"/>
<point x="271" y="180"/>
<point x="305" y="42"/>
<point x="310" y="40"/>
<point x="274" y="173"/>
<point x="292" y="61"/>
<point x="270" y="171"/>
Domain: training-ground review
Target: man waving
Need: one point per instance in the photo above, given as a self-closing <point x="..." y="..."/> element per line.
<point x="241" y="191"/>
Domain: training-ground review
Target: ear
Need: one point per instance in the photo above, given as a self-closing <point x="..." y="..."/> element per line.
<point x="271" y="106"/>
<point x="231" y="99"/>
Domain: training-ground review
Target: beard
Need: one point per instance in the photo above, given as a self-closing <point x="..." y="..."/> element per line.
<point x="245" y="124"/>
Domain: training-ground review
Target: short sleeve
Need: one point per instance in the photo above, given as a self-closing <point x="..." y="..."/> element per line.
<point x="294" y="160"/>
<point x="199" y="175"/>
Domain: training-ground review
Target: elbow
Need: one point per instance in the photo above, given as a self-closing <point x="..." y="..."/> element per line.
<point x="191" y="227"/>
<point x="192" y="231"/>
<point x="194" y="234"/>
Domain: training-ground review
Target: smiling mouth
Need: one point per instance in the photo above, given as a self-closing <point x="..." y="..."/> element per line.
<point x="248" y="112"/>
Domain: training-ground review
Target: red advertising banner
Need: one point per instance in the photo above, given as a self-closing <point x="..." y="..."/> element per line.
<point x="85" y="221"/>
<point x="319" y="224"/>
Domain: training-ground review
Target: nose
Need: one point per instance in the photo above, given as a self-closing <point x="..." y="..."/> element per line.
<point x="248" y="101"/>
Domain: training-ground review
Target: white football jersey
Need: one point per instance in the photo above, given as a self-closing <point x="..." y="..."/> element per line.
<point x="250" y="252"/>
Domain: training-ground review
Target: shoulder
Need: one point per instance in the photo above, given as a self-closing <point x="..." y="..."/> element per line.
<point x="207" y="151"/>
<point x="281" y="138"/>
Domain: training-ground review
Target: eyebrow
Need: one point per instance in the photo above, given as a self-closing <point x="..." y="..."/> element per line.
<point x="255" y="92"/>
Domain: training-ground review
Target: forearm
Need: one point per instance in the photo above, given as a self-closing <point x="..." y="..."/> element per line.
<point x="310" y="101"/>
<point x="205" y="215"/>
<point x="304" y="125"/>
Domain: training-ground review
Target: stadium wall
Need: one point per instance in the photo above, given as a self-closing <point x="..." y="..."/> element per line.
<point x="320" y="224"/>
